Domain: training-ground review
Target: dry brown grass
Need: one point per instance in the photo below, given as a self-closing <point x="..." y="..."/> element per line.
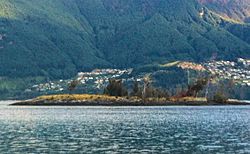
<point x="170" y="64"/>
<point x="78" y="97"/>
<point x="89" y="97"/>
<point x="189" y="99"/>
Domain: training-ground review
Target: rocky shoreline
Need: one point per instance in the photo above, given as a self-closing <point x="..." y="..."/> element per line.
<point x="124" y="102"/>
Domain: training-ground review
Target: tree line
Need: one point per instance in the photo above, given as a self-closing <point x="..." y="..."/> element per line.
<point x="202" y="87"/>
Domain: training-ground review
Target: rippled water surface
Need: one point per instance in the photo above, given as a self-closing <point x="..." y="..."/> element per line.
<point x="224" y="129"/>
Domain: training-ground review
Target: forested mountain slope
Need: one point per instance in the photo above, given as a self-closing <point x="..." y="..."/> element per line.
<point x="57" y="38"/>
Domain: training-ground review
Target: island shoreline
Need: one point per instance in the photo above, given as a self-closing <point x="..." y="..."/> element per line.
<point x="122" y="103"/>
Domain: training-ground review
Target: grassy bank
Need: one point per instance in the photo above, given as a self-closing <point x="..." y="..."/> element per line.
<point x="80" y="97"/>
<point x="104" y="100"/>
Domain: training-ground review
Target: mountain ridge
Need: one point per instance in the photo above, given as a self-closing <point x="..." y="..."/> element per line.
<point x="238" y="10"/>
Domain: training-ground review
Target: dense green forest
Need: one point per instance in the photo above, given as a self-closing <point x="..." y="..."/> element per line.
<point x="60" y="37"/>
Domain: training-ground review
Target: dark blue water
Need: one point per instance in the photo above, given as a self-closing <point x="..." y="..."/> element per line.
<point x="224" y="129"/>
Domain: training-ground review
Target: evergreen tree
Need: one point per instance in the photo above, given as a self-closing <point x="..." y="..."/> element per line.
<point x="116" y="88"/>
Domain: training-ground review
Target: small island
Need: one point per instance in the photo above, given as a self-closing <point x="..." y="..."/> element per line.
<point x="105" y="100"/>
<point x="205" y="88"/>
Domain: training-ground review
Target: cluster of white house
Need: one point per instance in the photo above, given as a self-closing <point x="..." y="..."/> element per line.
<point x="97" y="78"/>
<point x="238" y="71"/>
<point x="100" y="77"/>
<point x="50" y="86"/>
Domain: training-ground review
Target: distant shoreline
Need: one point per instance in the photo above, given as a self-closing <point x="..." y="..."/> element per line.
<point x="102" y="100"/>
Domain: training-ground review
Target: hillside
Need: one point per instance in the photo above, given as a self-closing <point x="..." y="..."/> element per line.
<point x="236" y="16"/>
<point x="58" y="38"/>
<point x="238" y="10"/>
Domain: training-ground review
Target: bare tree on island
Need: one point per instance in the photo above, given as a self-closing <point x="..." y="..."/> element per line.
<point x="146" y="82"/>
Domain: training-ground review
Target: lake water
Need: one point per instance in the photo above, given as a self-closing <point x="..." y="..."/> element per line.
<point x="224" y="129"/>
